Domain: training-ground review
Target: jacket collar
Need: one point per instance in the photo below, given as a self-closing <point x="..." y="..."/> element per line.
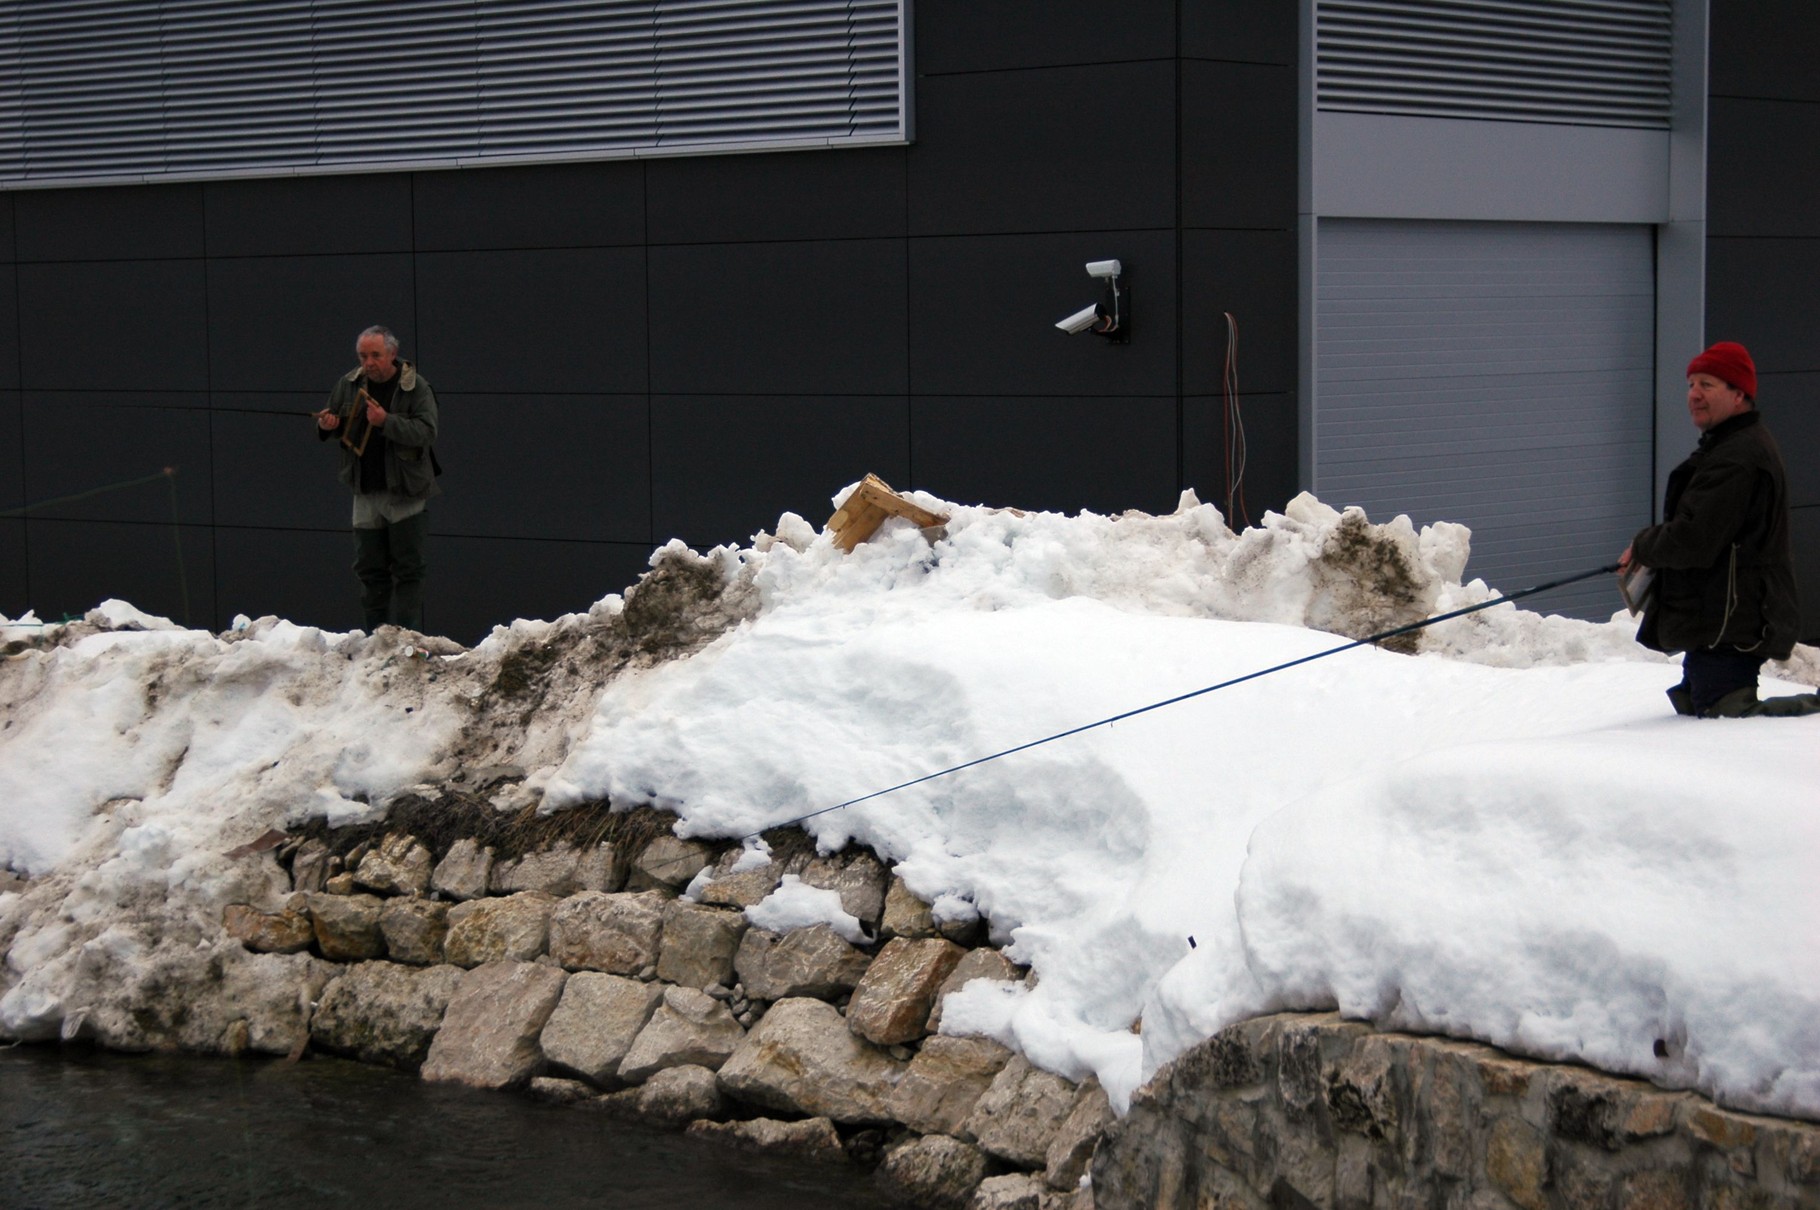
<point x="407" y="375"/>
<point x="1725" y="428"/>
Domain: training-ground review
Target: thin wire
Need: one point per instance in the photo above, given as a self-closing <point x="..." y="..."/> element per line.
<point x="169" y="472"/>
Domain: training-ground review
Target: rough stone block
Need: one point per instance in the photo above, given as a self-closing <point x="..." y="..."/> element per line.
<point x="748" y="887"/>
<point x="815" y="961"/>
<point x="310" y="866"/>
<point x="559" y="871"/>
<point x="699" y="945"/>
<point x="465" y="872"/>
<point x="284" y="932"/>
<point x="1011" y="1191"/>
<point x="802" y="1058"/>
<point x="812" y="1139"/>
<point x="414" y="929"/>
<point x="1516" y="1160"/>
<point x="514" y="928"/>
<point x="616" y="933"/>
<point x="858" y="878"/>
<point x="944" y="1082"/>
<point x="892" y="1001"/>
<point x="1071" y="1150"/>
<point x="905" y="914"/>
<point x="1020" y="1113"/>
<point x="677" y="1096"/>
<point x="668" y="863"/>
<point x="489" y="1034"/>
<point x="595" y="1023"/>
<point x="934" y="1171"/>
<point x="982" y="963"/>
<point x="690" y="1028"/>
<point x="557" y="1091"/>
<point x="381" y="1012"/>
<point x="397" y="865"/>
<point x="346" y="926"/>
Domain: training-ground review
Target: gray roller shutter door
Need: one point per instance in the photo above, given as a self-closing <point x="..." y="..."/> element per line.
<point x="1495" y="374"/>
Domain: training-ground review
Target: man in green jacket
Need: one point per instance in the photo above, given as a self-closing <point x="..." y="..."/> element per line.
<point x="385" y="414"/>
<point x="1724" y="588"/>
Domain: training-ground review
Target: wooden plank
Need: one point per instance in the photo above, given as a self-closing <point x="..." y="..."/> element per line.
<point x="866" y="508"/>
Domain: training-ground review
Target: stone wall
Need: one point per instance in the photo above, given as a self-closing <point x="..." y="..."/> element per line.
<point x="579" y="973"/>
<point x="1296" y="1111"/>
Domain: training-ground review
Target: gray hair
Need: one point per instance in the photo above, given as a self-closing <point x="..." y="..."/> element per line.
<point x="391" y="341"/>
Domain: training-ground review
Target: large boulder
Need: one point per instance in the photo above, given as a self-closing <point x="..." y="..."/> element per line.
<point x="858" y="878"/>
<point x="812" y="1139"/>
<point x="489" y="1034"/>
<point x="286" y="931"/>
<point x="802" y="1058"/>
<point x="596" y="1022"/>
<point x="677" y="1096"/>
<point x="982" y="963"/>
<point x="466" y="872"/>
<point x="815" y="961"/>
<point x="310" y="866"/>
<point x="933" y="1171"/>
<point x="514" y="928"/>
<point x="1071" y="1151"/>
<point x="944" y="1083"/>
<point x="397" y="865"/>
<point x="905" y="914"/>
<point x="699" y="945"/>
<point x="381" y="1012"/>
<point x="414" y="929"/>
<point x="1020" y="1114"/>
<point x="619" y="934"/>
<point x="746" y="887"/>
<point x="668" y="863"/>
<point x="892" y="1002"/>
<point x="346" y="926"/>
<point x="1011" y="1191"/>
<point x="559" y="871"/>
<point x="690" y="1028"/>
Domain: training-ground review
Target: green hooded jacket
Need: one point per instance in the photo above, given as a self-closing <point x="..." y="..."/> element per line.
<point x="409" y="431"/>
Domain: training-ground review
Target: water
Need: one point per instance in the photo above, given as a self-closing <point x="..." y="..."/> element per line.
<point x="88" y="1129"/>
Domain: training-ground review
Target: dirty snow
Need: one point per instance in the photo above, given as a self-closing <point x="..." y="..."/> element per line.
<point x="1506" y="835"/>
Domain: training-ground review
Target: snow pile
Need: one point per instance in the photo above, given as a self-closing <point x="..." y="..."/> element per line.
<point x="1507" y="836"/>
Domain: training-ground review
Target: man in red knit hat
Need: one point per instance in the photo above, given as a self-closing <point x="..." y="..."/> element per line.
<point x="1724" y="589"/>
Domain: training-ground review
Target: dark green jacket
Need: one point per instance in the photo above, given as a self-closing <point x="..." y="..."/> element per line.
<point x="409" y="431"/>
<point x="1725" y="573"/>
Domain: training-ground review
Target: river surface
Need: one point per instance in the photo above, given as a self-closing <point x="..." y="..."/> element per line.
<point x="84" y="1129"/>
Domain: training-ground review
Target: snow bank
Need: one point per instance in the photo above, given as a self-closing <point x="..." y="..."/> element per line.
<point x="1507" y="836"/>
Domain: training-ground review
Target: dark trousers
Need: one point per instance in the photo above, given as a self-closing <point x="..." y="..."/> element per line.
<point x="1707" y="676"/>
<point x="389" y="561"/>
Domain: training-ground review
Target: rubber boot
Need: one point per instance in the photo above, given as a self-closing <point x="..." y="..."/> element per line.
<point x="1789" y="707"/>
<point x="1681" y="699"/>
<point x="1739" y="703"/>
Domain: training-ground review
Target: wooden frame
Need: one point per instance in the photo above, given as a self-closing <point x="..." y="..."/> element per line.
<point x="866" y="508"/>
<point x="355" y="431"/>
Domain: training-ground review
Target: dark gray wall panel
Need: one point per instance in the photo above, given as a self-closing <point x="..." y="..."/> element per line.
<point x="118" y="325"/>
<point x="1270" y="470"/>
<point x="1240" y="31"/>
<point x="784" y="318"/>
<point x="75" y="565"/>
<point x="1060" y="149"/>
<point x="1765" y="48"/>
<point x="1805" y="530"/>
<point x="12" y="453"/>
<point x="7" y="250"/>
<point x="288" y="323"/>
<point x="75" y="443"/>
<point x="803" y="195"/>
<point x="15" y="597"/>
<point x="533" y="320"/>
<point x="983" y="314"/>
<point x="1238" y="145"/>
<point x="540" y="206"/>
<point x="136" y="222"/>
<point x="1765" y="294"/>
<point x="9" y="327"/>
<point x="306" y="576"/>
<point x="727" y="466"/>
<point x="293" y="403"/>
<point x="1252" y="274"/>
<point x="271" y="470"/>
<point x="967" y="36"/>
<point x="294" y="216"/>
<point x="571" y="467"/>
<point x="478" y="583"/>
<point x="1749" y="139"/>
<point x="1104" y="454"/>
<point x="1791" y="405"/>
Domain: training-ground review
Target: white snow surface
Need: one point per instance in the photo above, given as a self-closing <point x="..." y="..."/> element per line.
<point x="1507" y="836"/>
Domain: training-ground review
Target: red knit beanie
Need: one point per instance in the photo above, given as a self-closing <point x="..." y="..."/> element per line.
<point x="1729" y="362"/>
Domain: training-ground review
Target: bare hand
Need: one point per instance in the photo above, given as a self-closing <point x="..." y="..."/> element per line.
<point x="1624" y="560"/>
<point x="375" y="414"/>
<point x="327" y="421"/>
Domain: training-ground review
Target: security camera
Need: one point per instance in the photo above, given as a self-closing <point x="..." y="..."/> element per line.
<point x="1081" y="320"/>
<point x="1104" y="268"/>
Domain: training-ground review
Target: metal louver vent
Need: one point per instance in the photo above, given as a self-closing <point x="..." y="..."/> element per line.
<point x="95" y="90"/>
<point x="1583" y="62"/>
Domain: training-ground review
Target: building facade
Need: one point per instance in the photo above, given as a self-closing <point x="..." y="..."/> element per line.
<point x="640" y="332"/>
